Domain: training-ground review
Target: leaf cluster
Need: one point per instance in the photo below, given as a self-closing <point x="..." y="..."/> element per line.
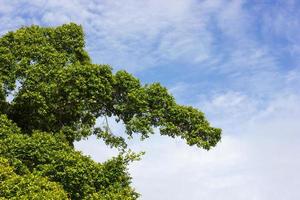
<point x="51" y="95"/>
<point x="59" y="89"/>
<point x="47" y="162"/>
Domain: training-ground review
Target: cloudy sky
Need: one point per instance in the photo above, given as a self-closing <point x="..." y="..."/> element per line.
<point x="236" y="60"/>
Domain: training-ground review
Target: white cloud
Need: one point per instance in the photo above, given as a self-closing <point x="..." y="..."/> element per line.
<point x="257" y="161"/>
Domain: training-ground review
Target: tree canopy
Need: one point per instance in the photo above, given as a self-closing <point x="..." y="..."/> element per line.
<point x="56" y="94"/>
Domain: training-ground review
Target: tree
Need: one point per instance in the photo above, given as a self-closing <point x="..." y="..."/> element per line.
<point x="58" y="94"/>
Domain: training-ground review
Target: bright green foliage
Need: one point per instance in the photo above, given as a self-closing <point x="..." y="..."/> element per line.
<point x="50" y="156"/>
<point x="58" y="95"/>
<point x="28" y="186"/>
<point x="7" y="127"/>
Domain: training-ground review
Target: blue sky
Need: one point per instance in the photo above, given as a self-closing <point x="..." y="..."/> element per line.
<point x="237" y="60"/>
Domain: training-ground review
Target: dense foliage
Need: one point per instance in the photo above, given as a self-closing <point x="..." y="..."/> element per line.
<point x="57" y="96"/>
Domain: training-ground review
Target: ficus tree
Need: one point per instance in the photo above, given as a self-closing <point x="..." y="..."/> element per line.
<point x="56" y="94"/>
